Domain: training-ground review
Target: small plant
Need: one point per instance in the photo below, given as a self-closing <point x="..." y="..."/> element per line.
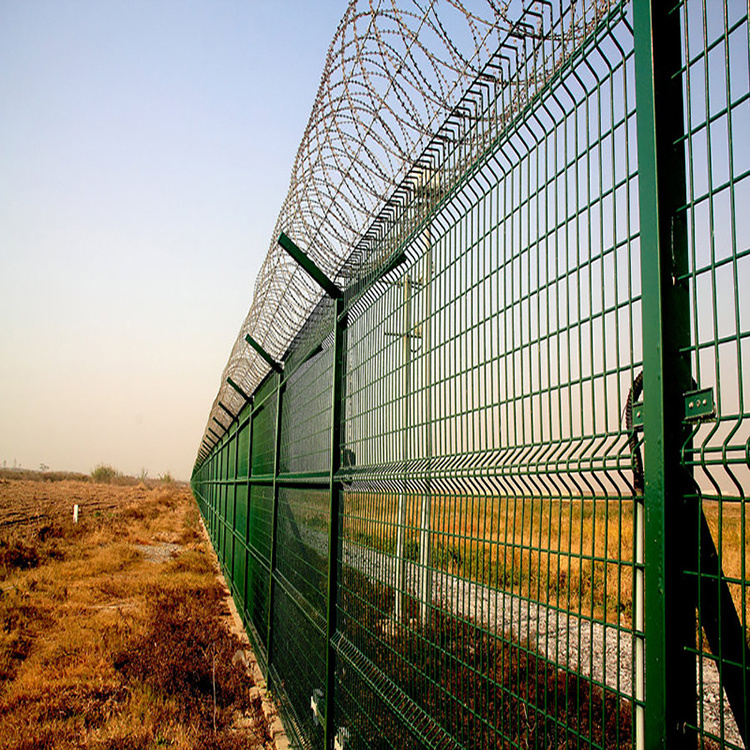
<point x="166" y="478"/>
<point x="104" y="474"/>
<point x="18" y="555"/>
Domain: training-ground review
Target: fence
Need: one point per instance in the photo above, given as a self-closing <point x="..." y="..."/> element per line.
<point x="494" y="494"/>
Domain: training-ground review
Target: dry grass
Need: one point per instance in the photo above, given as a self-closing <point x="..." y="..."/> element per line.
<point x="574" y="554"/>
<point x="103" y="647"/>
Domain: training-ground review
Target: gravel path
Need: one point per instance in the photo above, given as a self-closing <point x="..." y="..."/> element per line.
<point x="602" y="653"/>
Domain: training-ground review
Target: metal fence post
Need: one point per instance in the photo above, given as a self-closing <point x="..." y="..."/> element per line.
<point x="425" y="518"/>
<point x="248" y="485"/>
<point x="274" y="517"/>
<point x="340" y="321"/>
<point x="670" y="531"/>
<point x="334" y="536"/>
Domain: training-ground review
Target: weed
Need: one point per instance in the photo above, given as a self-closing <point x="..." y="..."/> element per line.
<point x="41" y="476"/>
<point x="17" y="555"/>
<point x="190" y="562"/>
<point x="104" y="474"/>
<point x="186" y="652"/>
<point x="19" y="623"/>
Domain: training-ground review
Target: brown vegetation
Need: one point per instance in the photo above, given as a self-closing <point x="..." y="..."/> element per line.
<point x="488" y="690"/>
<point x="113" y="631"/>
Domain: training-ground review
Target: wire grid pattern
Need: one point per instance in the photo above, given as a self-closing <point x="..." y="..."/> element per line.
<point x="303" y="543"/>
<point x="493" y="376"/>
<point x="489" y="480"/>
<point x="716" y="94"/>
<point x="301" y="600"/>
<point x="263" y="447"/>
<point x="393" y="73"/>
<point x="299" y="664"/>
<point x="305" y="422"/>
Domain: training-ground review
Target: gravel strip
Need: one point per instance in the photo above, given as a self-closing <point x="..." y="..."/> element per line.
<point x="602" y="653"/>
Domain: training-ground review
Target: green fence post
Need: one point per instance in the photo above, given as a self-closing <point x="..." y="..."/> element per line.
<point x="248" y="485"/>
<point x="334" y="537"/>
<point x="236" y="450"/>
<point x="274" y="516"/>
<point x="670" y="531"/>
<point x="330" y="288"/>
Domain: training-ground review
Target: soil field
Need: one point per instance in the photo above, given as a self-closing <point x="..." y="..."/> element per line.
<point x="115" y="631"/>
<point x="24" y="502"/>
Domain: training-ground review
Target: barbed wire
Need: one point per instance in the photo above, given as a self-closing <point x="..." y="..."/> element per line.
<point x="394" y="71"/>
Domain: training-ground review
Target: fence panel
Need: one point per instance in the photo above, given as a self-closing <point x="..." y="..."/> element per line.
<point x="495" y="497"/>
<point x="715" y="75"/>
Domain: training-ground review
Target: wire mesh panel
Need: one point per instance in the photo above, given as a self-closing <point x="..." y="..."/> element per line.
<point x="302" y="537"/>
<point x="239" y="541"/>
<point x="716" y="90"/>
<point x="491" y="515"/>
<point x="458" y="514"/>
<point x="259" y="539"/>
<point x="300" y="597"/>
<point x="243" y="449"/>
<point x="306" y="420"/>
<point x="299" y="664"/>
<point x="263" y="449"/>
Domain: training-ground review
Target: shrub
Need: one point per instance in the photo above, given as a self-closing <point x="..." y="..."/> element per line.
<point x="18" y="555"/>
<point x="104" y="474"/>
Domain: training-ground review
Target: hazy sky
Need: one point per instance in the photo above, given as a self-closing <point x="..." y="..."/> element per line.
<point x="145" y="151"/>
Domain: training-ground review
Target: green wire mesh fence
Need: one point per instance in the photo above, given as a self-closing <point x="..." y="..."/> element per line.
<point x="493" y="492"/>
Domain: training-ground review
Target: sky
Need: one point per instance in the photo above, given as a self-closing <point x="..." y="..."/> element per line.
<point x="145" y="151"/>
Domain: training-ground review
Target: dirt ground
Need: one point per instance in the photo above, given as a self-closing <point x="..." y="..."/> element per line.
<point x="115" y="632"/>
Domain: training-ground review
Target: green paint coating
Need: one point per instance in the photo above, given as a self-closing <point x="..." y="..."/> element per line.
<point x="263" y="353"/>
<point x="459" y="423"/>
<point x="307" y="263"/>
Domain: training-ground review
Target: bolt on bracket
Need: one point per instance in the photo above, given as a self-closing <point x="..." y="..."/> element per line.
<point x="699" y="406"/>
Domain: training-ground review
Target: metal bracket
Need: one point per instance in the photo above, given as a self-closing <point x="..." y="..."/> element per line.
<point x="341" y="740"/>
<point x="307" y="263"/>
<point x="231" y="414"/>
<point x="638" y="415"/>
<point x="699" y="405"/>
<point x="238" y="389"/>
<point x="263" y="353"/>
